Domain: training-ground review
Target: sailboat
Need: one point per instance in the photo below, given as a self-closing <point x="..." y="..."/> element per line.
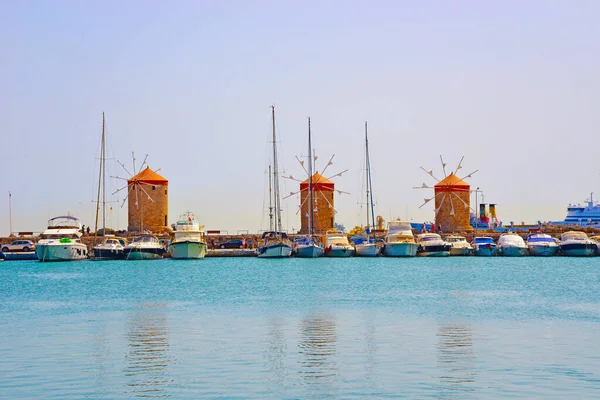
<point x="275" y="242"/>
<point x="111" y="247"/>
<point x="309" y="246"/>
<point x="366" y="247"/>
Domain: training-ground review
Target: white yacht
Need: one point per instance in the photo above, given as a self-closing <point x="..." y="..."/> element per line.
<point x="541" y="244"/>
<point x="574" y="243"/>
<point x="512" y="245"/>
<point x="275" y="245"/>
<point x="144" y="247"/>
<point x="400" y="241"/>
<point x="432" y="245"/>
<point x="459" y="245"/>
<point x="484" y="246"/>
<point x="188" y="241"/>
<point x="110" y="249"/>
<point x="61" y="241"/>
<point x="366" y="247"/>
<point x="337" y="245"/>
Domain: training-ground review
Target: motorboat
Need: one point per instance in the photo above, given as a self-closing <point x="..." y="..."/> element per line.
<point x="144" y="247"/>
<point x="432" y="245"/>
<point x="188" y="238"/>
<point x="337" y="245"/>
<point x="512" y="245"/>
<point x="275" y="245"/>
<point x="111" y="248"/>
<point x="541" y="244"/>
<point x="308" y="247"/>
<point x="597" y="240"/>
<point x="400" y="241"/>
<point x="484" y="246"/>
<point x="577" y="244"/>
<point x="61" y="241"/>
<point x="459" y="245"/>
<point x="366" y="247"/>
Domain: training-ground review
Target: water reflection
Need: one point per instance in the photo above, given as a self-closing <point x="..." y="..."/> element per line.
<point x="456" y="360"/>
<point x="148" y="353"/>
<point x="318" y="348"/>
<point x="276" y="351"/>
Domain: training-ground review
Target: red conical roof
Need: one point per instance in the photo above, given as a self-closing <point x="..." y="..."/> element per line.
<point x="452" y="180"/>
<point x="148" y="176"/>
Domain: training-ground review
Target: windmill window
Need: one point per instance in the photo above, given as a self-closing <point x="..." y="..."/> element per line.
<point x="153" y="187"/>
<point x="165" y="191"/>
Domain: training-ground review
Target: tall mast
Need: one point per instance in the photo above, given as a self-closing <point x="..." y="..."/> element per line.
<point x="369" y="185"/>
<point x="100" y="175"/>
<point x="10" y="212"/>
<point x="310" y="189"/>
<point x="276" y="177"/>
<point x="270" y="202"/>
<point x="103" y="177"/>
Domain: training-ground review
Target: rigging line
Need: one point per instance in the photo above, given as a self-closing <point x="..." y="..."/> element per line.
<point x="127" y="196"/>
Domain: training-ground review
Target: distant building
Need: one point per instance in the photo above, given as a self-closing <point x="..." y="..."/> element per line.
<point x="324" y="211"/>
<point x="453" y="204"/>
<point x="148" y="202"/>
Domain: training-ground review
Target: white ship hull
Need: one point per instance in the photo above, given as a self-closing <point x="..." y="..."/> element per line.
<point x="542" y="250"/>
<point x="309" y="251"/>
<point x="275" y="251"/>
<point x="400" y="249"/>
<point x="367" y="250"/>
<point x="61" y="251"/>
<point x="513" y="251"/>
<point x="142" y="255"/>
<point x="187" y="249"/>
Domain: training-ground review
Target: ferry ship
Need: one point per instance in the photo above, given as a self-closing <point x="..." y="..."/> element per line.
<point x="578" y="214"/>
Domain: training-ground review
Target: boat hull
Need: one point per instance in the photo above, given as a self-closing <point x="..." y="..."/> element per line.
<point x="367" y="250"/>
<point x="187" y="250"/>
<point x="61" y="252"/>
<point x="434" y="251"/>
<point x="485" y="251"/>
<point x="107" y="254"/>
<point x="309" y="251"/>
<point x="578" y="250"/>
<point x="460" y="251"/>
<point x="143" y="253"/>
<point x="400" y="249"/>
<point x="513" y="251"/>
<point x="275" y="251"/>
<point x="339" y="252"/>
<point x="543" y="251"/>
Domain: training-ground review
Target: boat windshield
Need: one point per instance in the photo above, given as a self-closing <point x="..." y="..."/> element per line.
<point x="484" y="240"/>
<point x="63" y="222"/>
<point x="429" y="238"/>
<point x="343" y="240"/>
<point x="455" y="239"/>
<point x="398" y="226"/>
<point x="573" y="236"/>
<point x="145" y="239"/>
<point x="540" y="239"/>
<point x="59" y="236"/>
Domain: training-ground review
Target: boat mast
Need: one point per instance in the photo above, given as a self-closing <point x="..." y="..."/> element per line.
<point x="100" y="176"/>
<point x="103" y="177"/>
<point x="310" y="189"/>
<point x="369" y="185"/>
<point x="270" y="202"/>
<point x="10" y="212"/>
<point x="276" y="177"/>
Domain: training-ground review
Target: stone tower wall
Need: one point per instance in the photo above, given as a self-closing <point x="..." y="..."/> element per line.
<point x="324" y="214"/>
<point x="155" y="212"/>
<point x="460" y="221"/>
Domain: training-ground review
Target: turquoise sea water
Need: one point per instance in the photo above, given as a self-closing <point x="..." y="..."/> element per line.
<point x="247" y="328"/>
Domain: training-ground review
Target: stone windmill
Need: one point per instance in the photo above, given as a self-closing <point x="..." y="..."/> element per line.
<point x="147" y="199"/>
<point x="452" y="197"/>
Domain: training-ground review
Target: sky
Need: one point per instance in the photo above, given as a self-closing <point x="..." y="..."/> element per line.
<point x="511" y="86"/>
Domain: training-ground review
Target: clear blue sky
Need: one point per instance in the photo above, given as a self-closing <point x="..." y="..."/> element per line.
<point x="512" y="86"/>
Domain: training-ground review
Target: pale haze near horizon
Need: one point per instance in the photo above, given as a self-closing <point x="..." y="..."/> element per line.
<point x="512" y="87"/>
